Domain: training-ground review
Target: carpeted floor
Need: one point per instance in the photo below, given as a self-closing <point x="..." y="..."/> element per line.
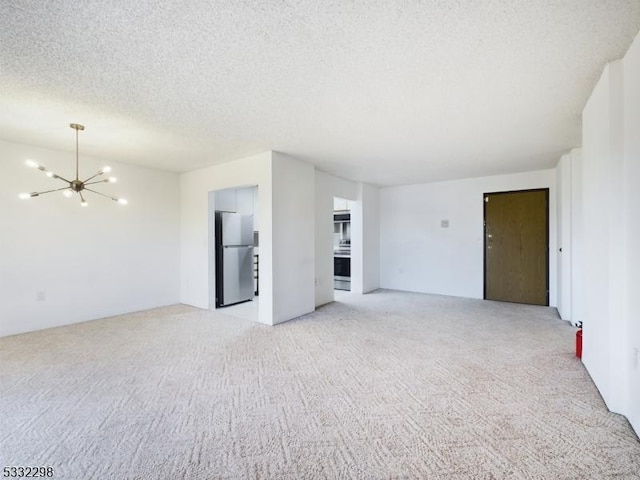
<point x="389" y="385"/>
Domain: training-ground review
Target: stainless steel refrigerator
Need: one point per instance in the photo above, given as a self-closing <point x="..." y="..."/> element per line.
<point x="234" y="258"/>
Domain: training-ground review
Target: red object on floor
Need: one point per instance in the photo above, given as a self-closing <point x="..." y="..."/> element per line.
<point x="579" y="343"/>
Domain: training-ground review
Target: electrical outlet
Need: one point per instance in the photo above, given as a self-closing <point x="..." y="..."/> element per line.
<point x="41" y="296"/>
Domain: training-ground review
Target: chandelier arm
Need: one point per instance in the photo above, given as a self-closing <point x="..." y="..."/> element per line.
<point x="56" y="190"/>
<point x="55" y="175"/>
<point x="94" y="176"/>
<point x="100" y="193"/>
<point x="45" y="170"/>
<point x="97" y="181"/>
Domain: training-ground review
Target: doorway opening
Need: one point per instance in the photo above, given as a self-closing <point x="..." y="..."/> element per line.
<point x="342" y="244"/>
<point x="516" y="246"/>
<point x="234" y="265"/>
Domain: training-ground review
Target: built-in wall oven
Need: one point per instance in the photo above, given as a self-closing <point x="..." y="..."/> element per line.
<point x="341" y="272"/>
<point x="342" y="251"/>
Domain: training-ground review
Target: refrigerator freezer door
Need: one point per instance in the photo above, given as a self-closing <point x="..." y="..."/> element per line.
<point x="237" y="264"/>
<point x="237" y="229"/>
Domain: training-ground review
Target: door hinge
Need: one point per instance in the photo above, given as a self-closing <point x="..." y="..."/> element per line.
<point x="486" y="199"/>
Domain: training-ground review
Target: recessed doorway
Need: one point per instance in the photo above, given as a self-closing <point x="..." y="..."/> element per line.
<point x="342" y="244"/>
<point x="234" y="252"/>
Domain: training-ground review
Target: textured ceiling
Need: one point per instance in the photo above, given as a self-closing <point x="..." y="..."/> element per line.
<point x="388" y="92"/>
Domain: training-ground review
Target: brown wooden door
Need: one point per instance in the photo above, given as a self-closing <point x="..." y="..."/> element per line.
<point x="516" y="246"/>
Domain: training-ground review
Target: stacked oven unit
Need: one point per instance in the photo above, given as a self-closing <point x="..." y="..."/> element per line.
<point x="342" y="251"/>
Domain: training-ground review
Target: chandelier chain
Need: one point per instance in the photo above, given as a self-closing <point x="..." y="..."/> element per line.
<point x="77" y="158"/>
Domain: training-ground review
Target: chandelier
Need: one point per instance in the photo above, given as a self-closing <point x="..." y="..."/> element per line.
<point x="78" y="186"/>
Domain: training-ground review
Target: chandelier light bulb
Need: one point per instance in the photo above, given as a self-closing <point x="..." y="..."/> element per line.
<point x="112" y="180"/>
<point x="31" y="163"/>
<point x="49" y="174"/>
<point x="106" y="169"/>
<point x="84" y="203"/>
<point x="24" y="196"/>
<point x="67" y="193"/>
<point x="122" y="201"/>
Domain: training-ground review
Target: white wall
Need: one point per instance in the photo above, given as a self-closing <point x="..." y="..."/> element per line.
<point x="365" y="245"/>
<point x="604" y="239"/>
<point x="563" y="182"/>
<point x="569" y="215"/>
<point x="611" y="235"/>
<point x="286" y="192"/>
<point x="195" y="263"/>
<point x="293" y="238"/>
<point x="326" y="188"/>
<point x="92" y="262"/>
<point x="577" y="239"/>
<point x="631" y="103"/>
<point x="417" y="254"/>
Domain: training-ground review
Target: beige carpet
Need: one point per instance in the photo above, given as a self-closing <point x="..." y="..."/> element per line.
<point x="389" y="385"/>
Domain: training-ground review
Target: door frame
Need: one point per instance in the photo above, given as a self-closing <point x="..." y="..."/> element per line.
<point x="484" y="236"/>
